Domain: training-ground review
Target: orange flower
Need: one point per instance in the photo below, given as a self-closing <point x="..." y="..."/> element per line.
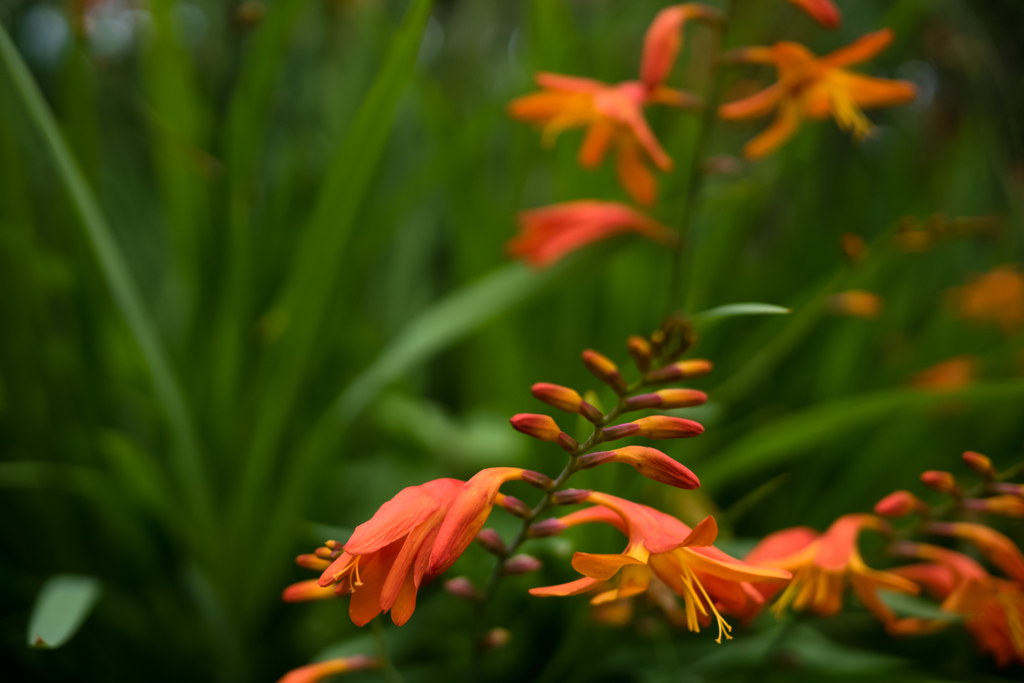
<point x="823" y="564"/>
<point x="311" y="673"/>
<point x="613" y="116"/>
<point x="662" y="547"/>
<point x="822" y="11"/>
<point x="549" y="233"/>
<point x="385" y="561"/>
<point x="814" y="88"/>
<point x="997" y="296"/>
<point x="993" y="607"/>
<point x="856" y="303"/>
<point x="949" y="375"/>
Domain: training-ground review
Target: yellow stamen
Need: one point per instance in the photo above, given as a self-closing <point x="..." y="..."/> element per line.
<point x="850" y="117"/>
<point x="689" y="580"/>
<point x="355" y="572"/>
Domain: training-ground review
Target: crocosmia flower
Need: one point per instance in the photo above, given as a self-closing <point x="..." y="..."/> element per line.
<point x="823" y="565"/>
<point x="708" y="580"/>
<point x="996" y="296"/>
<point x="549" y="233"/>
<point x="822" y="11"/>
<point x="814" y="88"/>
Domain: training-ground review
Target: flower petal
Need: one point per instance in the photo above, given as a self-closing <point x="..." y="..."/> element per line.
<point x="757" y="105"/>
<point x="869" y="92"/>
<point x="572" y="588"/>
<point x="312" y="673"/>
<point x="573" y="84"/>
<point x="735" y="570"/>
<point x="839" y="543"/>
<point x="401" y="514"/>
<point x="634" y="175"/>
<point x="704" y="534"/>
<point x="773" y="137"/>
<point x="996" y="547"/>
<point x="595" y="144"/>
<point x="402" y="570"/>
<point x="860" y="50"/>
<point x="822" y="11"/>
<point x="781" y="545"/>
<point x="601" y="567"/>
<point x="653" y="464"/>
<point x="365" y="602"/>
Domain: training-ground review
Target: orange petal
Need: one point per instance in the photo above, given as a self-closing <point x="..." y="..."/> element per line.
<point x="595" y="513"/>
<point x="822" y="11"/>
<point x="733" y="571"/>
<point x="936" y="578"/>
<point x="869" y="92"/>
<point x="312" y="673"/>
<point x="664" y="39"/>
<point x="601" y="567"/>
<point x="657" y="531"/>
<point x="573" y="84"/>
<point x="306" y="590"/>
<point x="595" y="144"/>
<point x="704" y="534"/>
<point x="402" y="570"/>
<point x="860" y="50"/>
<point x="757" y="105"/>
<point x="542" y="107"/>
<point x="674" y="98"/>
<point x="781" y="544"/>
<point x="642" y="132"/>
<point x="467" y="514"/>
<point x="365" y="602"/>
<point x="405" y="601"/>
<point x="633" y="174"/>
<point x="838" y="544"/>
<point x="775" y="135"/>
<point x="572" y="588"/>
<point x="996" y="547"/>
<point x="397" y="517"/>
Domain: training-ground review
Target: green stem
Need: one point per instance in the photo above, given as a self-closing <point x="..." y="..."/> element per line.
<point x="387" y="666"/>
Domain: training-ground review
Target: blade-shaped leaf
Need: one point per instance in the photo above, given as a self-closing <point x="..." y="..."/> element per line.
<point x="61" y="607"/>
<point x="732" y="310"/>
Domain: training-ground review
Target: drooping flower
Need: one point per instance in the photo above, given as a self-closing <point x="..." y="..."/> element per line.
<point x="312" y="673"/>
<point x="996" y="296"/>
<point x="549" y="233"/>
<point x="814" y="88"/>
<point x="708" y="580"/>
<point x="386" y="559"/>
<point x="993" y="607"/>
<point x="822" y="11"/>
<point x="823" y="565"/>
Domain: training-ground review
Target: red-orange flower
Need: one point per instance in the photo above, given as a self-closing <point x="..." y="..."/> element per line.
<point x="996" y="296"/>
<point x="949" y="375"/>
<point x="822" y="566"/>
<point x="311" y="673"/>
<point x="815" y="88"/>
<point x="549" y="233"/>
<point x="386" y="559"/>
<point x="613" y="116"/>
<point x="822" y="11"/>
<point x="708" y="580"/>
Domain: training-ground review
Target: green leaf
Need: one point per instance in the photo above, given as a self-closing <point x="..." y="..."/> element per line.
<point x="61" y="607"/>
<point x="732" y="310"/>
<point x="912" y="606"/>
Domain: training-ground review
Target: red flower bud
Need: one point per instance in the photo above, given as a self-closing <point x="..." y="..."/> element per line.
<point x="684" y="369"/>
<point x="605" y="370"/>
<point x="640" y="350"/>
<point x="538" y="480"/>
<point x="307" y="590"/>
<point x="1006" y="487"/>
<point x="980" y="464"/>
<point x="514" y="505"/>
<point x="541" y="427"/>
<point x="312" y="562"/>
<point x="462" y="587"/>
<point x="665" y="427"/>
<point x="571" y="496"/>
<point x="681" y="398"/>
<point x="557" y="396"/>
<point x="655" y="465"/>
<point x="620" y="431"/>
<point x="592" y="414"/>
<point x="594" y="459"/>
<point x="491" y="541"/>
<point x="898" y="504"/>
<point x="325" y="553"/>
<point x="943" y="482"/>
<point x="520" y="564"/>
<point x="548" y="527"/>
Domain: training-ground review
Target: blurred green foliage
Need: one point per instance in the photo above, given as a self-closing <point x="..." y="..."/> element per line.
<point x="253" y="284"/>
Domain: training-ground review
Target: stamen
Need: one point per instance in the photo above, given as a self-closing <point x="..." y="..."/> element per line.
<point x="850" y="117"/>
<point x="355" y="572"/>
<point x="723" y="626"/>
<point x="788" y="595"/>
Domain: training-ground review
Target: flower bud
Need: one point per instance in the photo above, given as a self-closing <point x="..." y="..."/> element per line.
<point x="665" y="427"/>
<point x="684" y="369"/>
<point x="640" y="350"/>
<point x="304" y="591"/>
<point x="462" y="587"/>
<point x="514" y="506"/>
<point x="980" y="464"/>
<point x="591" y="413"/>
<point x="1006" y="487"/>
<point x="898" y="504"/>
<point x="495" y="638"/>
<point x="313" y="562"/>
<point x="335" y="545"/>
<point x="568" y="443"/>
<point x="943" y="482"/>
<point x="856" y="303"/>
<point x="541" y="427"/>
<point x="571" y="496"/>
<point x="325" y="553"/>
<point x="557" y="396"/>
<point x="551" y="526"/>
<point x="537" y="480"/>
<point x="605" y="370"/>
<point x="620" y="431"/>
<point x="520" y="564"/>
<point x="491" y="541"/>
<point x="1005" y="505"/>
<point x="667" y="399"/>
<point x="589" y="460"/>
<point x="655" y="465"/>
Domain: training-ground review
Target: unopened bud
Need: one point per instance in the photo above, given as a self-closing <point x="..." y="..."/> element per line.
<point x="856" y="303"/>
<point x="640" y="350"/>
<point x="943" y="482"/>
<point x="620" y="431"/>
<point x="324" y="553"/>
<point x="520" y="564"/>
<point x="980" y="464"/>
<point x="537" y="480"/>
<point x="1005" y="505"/>
<point x="495" y="638"/>
<point x="853" y="246"/>
<point x="667" y="399"/>
<point x="515" y="506"/>
<point x="568" y="443"/>
<point x="898" y="504"/>
<point x="541" y="427"/>
<point x="307" y="590"/>
<point x="684" y="369"/>
<point x="571" y="496"/>
<point x="557" y="396"/>
<point x="491" y="541"/>
<point x="548" y="527"/>
<point x="665" y="427"/>
<point x="592" y="414"/>
<point x="605" y="370"/>
<point x="312" y="562"/>
<point x="1006" y="487"/>
<point x="589" y="460"/>
<point x="462" y="587"/>
<point x="335" y="545"/>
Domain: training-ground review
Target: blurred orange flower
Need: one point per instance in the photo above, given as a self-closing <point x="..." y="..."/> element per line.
<point x="996" y="296"/>
<point x="856" y="303"/>
<point x="549" y="233"/>
<point x="663" y="547"/>
<point x="312" y="673"/>
<point x="949" y="375"/>
<point x="822" y="11"/>
<point x="814" y="88"/>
